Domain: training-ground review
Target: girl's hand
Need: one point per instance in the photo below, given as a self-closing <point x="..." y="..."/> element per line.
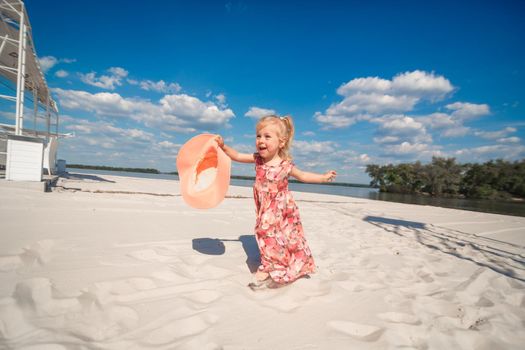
<point x="329" y="176"/>
<point x="220" y="141"/>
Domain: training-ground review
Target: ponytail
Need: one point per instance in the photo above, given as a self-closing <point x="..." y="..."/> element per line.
<point x="288" y="136"/>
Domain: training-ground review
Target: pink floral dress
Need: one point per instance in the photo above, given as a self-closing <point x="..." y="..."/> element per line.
<point x="285" y="254"/>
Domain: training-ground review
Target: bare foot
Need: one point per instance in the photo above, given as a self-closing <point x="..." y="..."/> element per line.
<point x="261" y="276"/>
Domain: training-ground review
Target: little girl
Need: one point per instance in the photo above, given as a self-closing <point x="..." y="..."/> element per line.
<point x="285" y="255"/>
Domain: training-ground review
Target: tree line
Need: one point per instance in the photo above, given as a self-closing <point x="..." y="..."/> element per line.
<point x="110" y="168"/>
<point x="495" y="179"/>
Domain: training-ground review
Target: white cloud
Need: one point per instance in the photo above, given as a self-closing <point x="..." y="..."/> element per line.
<point x="364" y="98"/>
<point x="61" y="73"/>
<point x="364" y="158"/>
<point x="309" y="147"/>
<point x="338" y="121"/>
<point x="193" y="111"/>
<point x="102" y="103"/>
<point x="109" y="82"/>
<point x="160" y="86"/>
<point x="406" y="148"/>
<point x="488" y="152"/>
<point x="48" y="62"/>
<point x="386" y="139"/>
<point x="257" y="112"/>
<point x="513" y="139"/>
<point x="422" y="84"/>
<point x="396" y="128"/>
<point x="451" y="125"/>
<point x="457" y="131"/>
<point x="465" y="110"/>
<point x="118" y="71"/>
<point x="492" y="135"/>
<point x="169" y="145"/>
<point x="173" y="112"/>
<point x="221" y="99"/>
<point x="370" y="84"/>
<point x="104" y="143"/>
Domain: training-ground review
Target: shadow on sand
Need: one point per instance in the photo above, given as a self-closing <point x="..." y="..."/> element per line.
<point x="74" y="176"/>
<point x="215" y="246"/>
<point x="502" y="257"/>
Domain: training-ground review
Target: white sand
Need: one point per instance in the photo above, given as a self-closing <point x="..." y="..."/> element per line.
<point x="128" y="269"/>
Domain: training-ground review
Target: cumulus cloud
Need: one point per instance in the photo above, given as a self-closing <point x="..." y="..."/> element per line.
<point x="400" y="128"/>
<point x="104" y="143"/>
<point x="102" y="103"/>
<point x="159" y="86"/>
<point x="412" y="150"/>
<point x="48" y="62"/>
<point x="458" y="131"/>
<point x="193" y="111"/>
<point x="173" y="112"/>
<point x="257" y="112"/>
<point x="485" y="153"/>
<point x="464" y="110"/>
<point x="513" y="139"/>
<point x="169" y="145"/>
<point x="99" y="134"/>
<point x="493" y="135"/>
<point x="364" y="98"/>
<point x="451" y="125"/>
<point x="422" y="84"/>
<point x="309" y="147"/>
<point x="109" y="82"/>
<point x="446" y="124"/>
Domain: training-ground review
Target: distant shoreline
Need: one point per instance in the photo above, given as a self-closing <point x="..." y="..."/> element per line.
<point x="155" y="171"/>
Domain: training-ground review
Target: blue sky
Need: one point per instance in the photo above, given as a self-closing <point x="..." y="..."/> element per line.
<point x="365" y="81"/>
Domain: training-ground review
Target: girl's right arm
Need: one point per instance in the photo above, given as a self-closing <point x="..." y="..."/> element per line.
<point x="233" y="154"/>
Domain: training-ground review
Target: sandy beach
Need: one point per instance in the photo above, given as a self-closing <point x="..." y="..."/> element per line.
<point x="108" y="262"/>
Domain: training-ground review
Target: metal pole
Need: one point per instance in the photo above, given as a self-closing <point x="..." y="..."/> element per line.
<point x="48" y="115"/>
<point x="20" y="78"/>
<point x="3" y="43"/>
<point x="35" y="105"/>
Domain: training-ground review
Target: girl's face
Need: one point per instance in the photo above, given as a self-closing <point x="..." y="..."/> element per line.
<point x="267" y="142"/>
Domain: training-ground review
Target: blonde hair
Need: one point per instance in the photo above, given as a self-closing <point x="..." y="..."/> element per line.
<point x="285" y="131"/>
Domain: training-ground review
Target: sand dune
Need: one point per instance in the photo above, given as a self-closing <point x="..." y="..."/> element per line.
<point x="107" y="262"/>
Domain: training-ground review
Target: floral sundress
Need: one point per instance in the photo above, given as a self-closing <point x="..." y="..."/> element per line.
<point x="285" y="254"/>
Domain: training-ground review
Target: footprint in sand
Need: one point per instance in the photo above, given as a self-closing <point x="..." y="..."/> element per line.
<point x="44" y="347"/>
<point x="399" y="317"/>
<point x="353" y="286"/>
<point x="90" y="316"/>
<point x="179" y="329"/>
<point x="150" y="255"/>
<point x="357" y="331"/>
<point x="314" y="288"/>
<point x="12" y="321"/>
<point x="38" y="253"/>
<point x="425" y="275"/>
<point x="202" y="298"/>
<point x="10" y="262"/>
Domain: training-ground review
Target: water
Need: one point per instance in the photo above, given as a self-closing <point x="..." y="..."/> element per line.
<point x="482" y="205"/>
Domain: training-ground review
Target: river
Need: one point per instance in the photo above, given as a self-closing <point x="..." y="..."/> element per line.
<point x="483" y="205"/>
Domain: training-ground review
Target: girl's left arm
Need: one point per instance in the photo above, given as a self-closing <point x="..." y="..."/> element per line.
<point x="305" y="176"/>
